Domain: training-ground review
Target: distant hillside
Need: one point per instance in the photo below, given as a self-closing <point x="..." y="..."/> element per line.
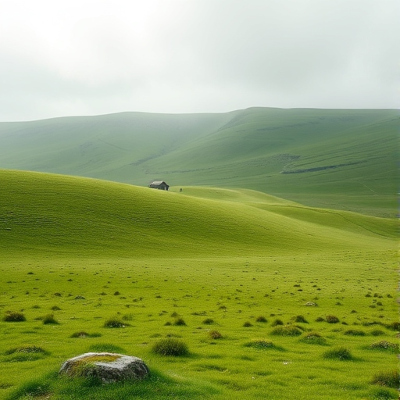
<point x="70" y="216"/>
<point x="344" y="159"/>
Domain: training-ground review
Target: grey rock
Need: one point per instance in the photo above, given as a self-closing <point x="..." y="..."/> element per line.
<point x="108" y="367"/>
<point x="311" y="304"/>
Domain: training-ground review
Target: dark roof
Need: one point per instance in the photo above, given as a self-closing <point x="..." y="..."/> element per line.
<point x="157" y="183"/>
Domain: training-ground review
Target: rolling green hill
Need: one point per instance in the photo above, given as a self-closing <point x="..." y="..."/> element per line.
<point x="343" y="159"/>
<point x="53" y="213"/>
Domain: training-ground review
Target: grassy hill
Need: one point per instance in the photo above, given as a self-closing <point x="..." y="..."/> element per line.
<point x="344" y="159"/>
<point x="248" y="281"/>
<point x="41" y="212"/>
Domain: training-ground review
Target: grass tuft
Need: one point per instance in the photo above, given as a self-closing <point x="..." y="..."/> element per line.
<point x="354" y="332"/>
<point x="170" y="347"/>
<point x="384" y="345"/>
<point x="340" y="353"/>
<point x="313" y="338"/>
<point x="262" y="344"/>
<point x="14" y="316"/>
<point x="50" y="320"/>
<point x="286" y="330"/>
<point x="389" y="379"/>
<point x="215" y="335"/>
<point x="331" y="319"/>
<point x="114" y="323"/>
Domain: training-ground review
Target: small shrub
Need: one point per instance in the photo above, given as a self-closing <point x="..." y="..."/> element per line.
<point x="170" y="347"/>
<point x="215" y="335"/>
<point x="340" y="353"/>
<point x="49" y="319"/>
<point x="247" y="324"/>
<point x="208" y="321"/>
<point x="354" y="332"/>
<point x="388" y="378"/>
<point x="286" y="330"/>
<point x="261" y="319"/>
<point x="55" y="308"/>
<point x="332" y="319"/>
<point x="277" y="322"/>
<point x="300" y="318"/>
<point x="114" y="323"/>
<point x="14" y="316"/>
<point x="319" y="319"/>
<point x="179" y="322"/>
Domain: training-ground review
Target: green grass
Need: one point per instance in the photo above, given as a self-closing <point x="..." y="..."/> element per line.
<point x="98" y="250"/>
<point x="340" y="159"/>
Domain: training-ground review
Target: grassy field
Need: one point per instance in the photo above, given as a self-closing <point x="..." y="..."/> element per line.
<point x="274" y="299"/>
<point x="342" y="159"/>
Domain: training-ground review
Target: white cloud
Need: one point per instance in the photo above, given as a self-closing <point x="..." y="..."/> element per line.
<point x="92" y="57"/>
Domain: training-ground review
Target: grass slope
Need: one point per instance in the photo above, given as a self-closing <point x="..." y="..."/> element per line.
<point x="326" y="158"/>
<point x="83" y="251"/>
<point x="41" y="212"/>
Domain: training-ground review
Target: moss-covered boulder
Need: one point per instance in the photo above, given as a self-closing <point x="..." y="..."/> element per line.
<point x="107" y="367"/>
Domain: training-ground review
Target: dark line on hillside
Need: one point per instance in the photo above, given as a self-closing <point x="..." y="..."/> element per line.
<point x="302" y="171"/>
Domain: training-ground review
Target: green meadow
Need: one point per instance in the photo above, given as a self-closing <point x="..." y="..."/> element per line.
<point x="272" y="298"/>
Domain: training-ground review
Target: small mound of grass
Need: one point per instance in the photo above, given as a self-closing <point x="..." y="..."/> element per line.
<point x="277" y="322"/>
<point x="208" y="321"/>
<point x="286" y="330"/>
<point x="215" y="335"/>
<point x="261" y="319"/>
<point x="170" y="347"/>
<point x="331" y="319"/>
<point x="377" y="332"/>
<point x="31" y="390"/>
<point x="114" y="323"/>
<point x="26" y="349"/>
<point x="395" y="326"/>
<point x="313" y="338"/>
<point x="384" y="345"/>
<point x="340" y="353"/>
<point x="14" y="316"/>
<point x="354" y="332"/>
<point x="389" y="379"/>
<point x="83" y="334"/>
<point x="383" y="394"/>
<point x="179" y="322"/>
<point x="262" y="344"/>
<point x="301" y="319"/>
<point x="247" y="324"/>
<point x="106" y="348"/>
<point x="49" y="320"/>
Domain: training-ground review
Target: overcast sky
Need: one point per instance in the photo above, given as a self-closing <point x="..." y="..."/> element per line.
<point x="85" y="57"/>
